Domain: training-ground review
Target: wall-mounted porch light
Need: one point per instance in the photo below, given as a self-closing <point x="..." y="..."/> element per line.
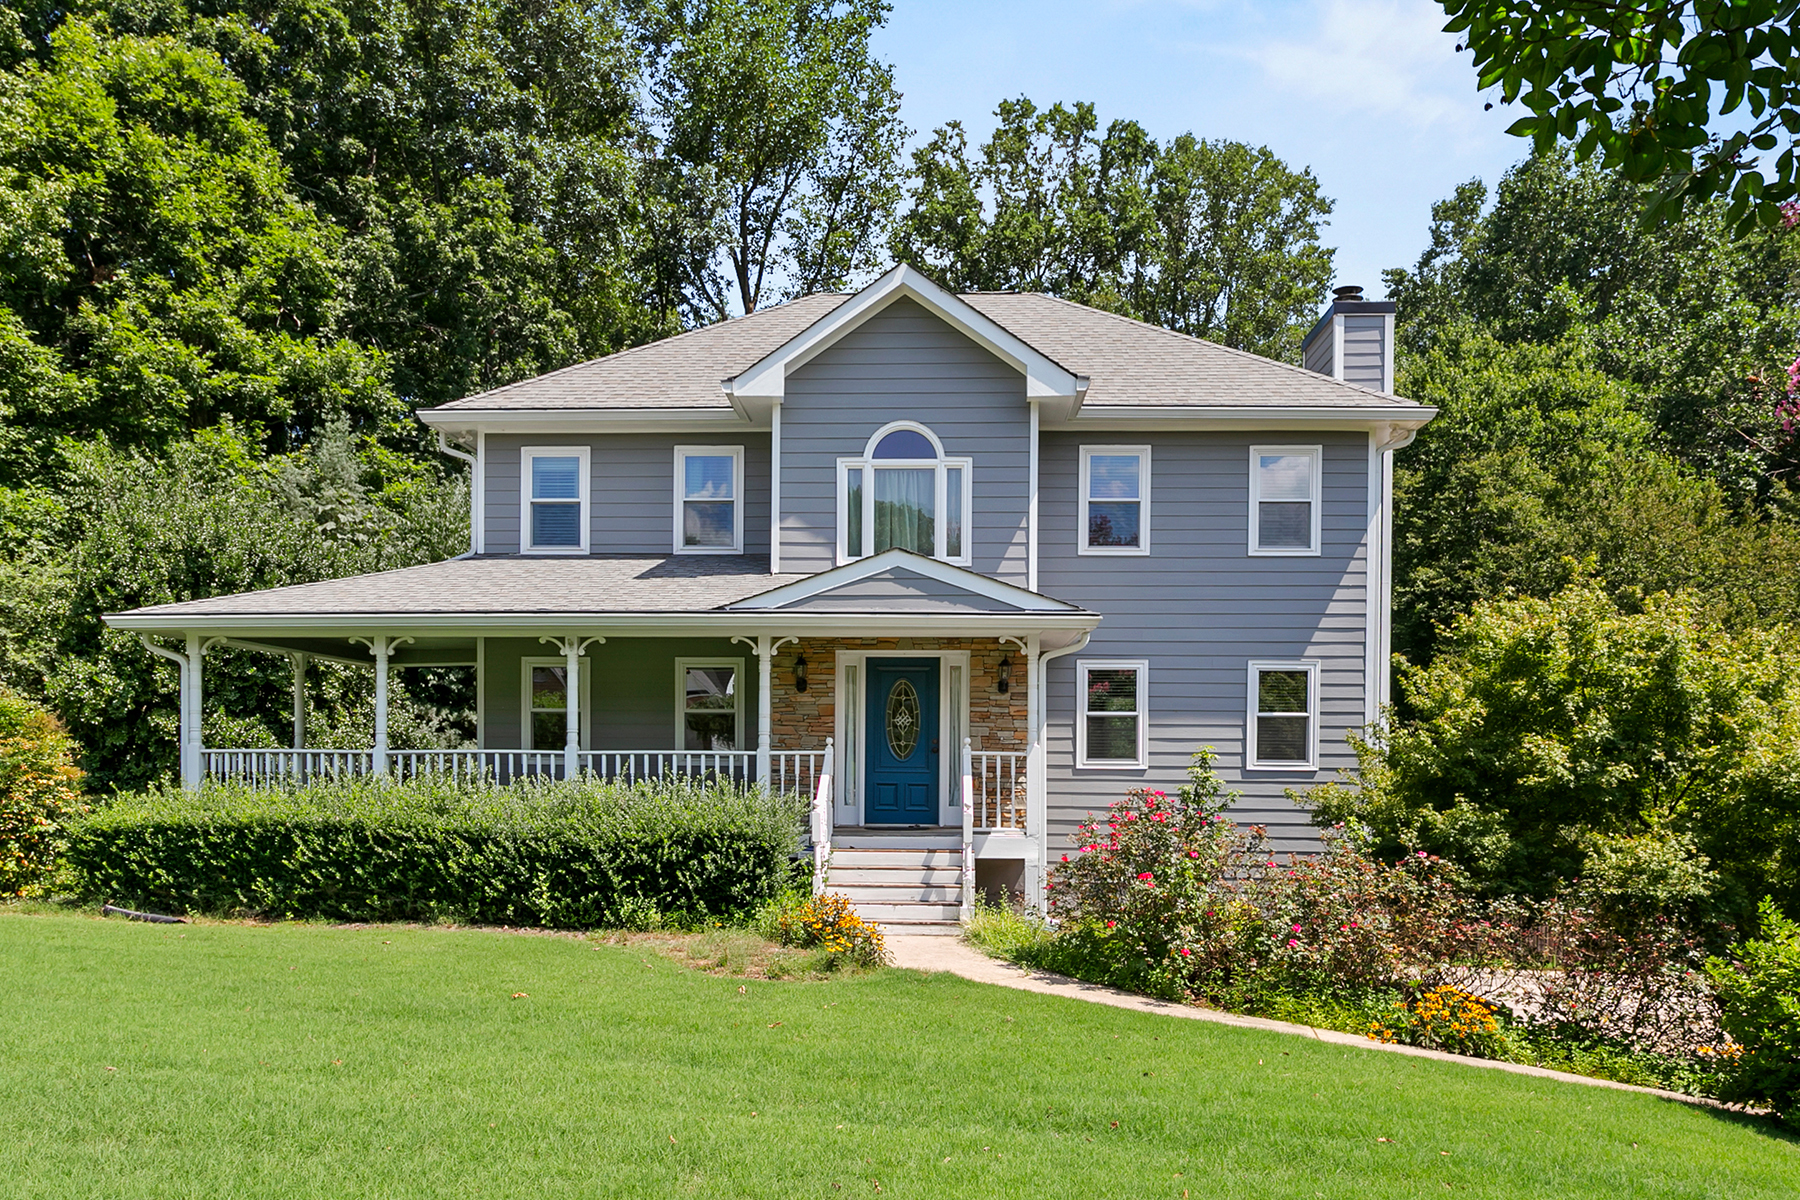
<point x="1005" y="684"/>
<point x="800" y="673"/>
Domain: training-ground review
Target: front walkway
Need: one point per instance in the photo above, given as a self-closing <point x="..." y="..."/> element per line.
<point x="923" y="953"/>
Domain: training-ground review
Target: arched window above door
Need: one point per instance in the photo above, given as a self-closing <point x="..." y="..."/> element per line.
<point x="904" y="493"/>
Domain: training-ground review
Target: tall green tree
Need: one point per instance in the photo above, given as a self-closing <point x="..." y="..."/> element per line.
<point x="780" y="141"/>
<point x="1215" y="239"/>
<point x="1694" y="320"/>
<point x="156" y="273"/>
<point x="1655" y="90"/>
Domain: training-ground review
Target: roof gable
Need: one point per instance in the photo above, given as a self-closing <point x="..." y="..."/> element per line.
<point x="899" y="581"/>
<point x="766" y="380"/>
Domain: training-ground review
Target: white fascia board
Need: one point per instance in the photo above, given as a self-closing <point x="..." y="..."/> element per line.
<point x="1245" y="417"/>
<point x="851" y="572"/>
<point x="767" y="379"/>
<point x="593" y="420"/>
<point x="706" y="624"/>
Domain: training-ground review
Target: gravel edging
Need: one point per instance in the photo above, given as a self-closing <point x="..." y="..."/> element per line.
<point x="958" y="958"/>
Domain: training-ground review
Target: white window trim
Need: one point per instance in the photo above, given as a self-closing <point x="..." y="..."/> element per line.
<point x="584" y="492"/>
<point x="525" y="709"/>
<point x="1142" y="667"/>
<point x="1317" y="454"/>
<point x="1252" y="761"/>
<point x="1081" y="531"/>
<point x="868" y="464"/>
<point x="681" y="709"/>
<point x="736" y="454"/>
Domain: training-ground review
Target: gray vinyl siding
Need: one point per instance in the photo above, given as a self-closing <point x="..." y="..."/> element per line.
<point x="1317" y="355"/>
<point x="906" y="364"/>
<point x="628" y="690"/>
<point x="632" y="488"/>
<point x="1365" y="352"/>
<point x="1198" y="608"/>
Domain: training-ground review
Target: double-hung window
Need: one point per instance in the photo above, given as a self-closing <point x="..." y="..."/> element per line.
<point x="1109" y="728"/>
<point x="1284" y="500"/>
<point x="904" y="493"/>
<point x="1283" y="716"/>
<point x="546" y="703"/>
<point x="554" y="487"/>
<point x="1115" y="500"/>
<point x="711" y="713"/>
<point x="709" y="489"/>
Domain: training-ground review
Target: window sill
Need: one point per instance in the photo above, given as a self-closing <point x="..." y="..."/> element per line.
<point x="1283" y="768"/>
<point x="1112" y="766"/>
<point x="557" y="551"/>
<point x="1286" y="553"/>
<point x="709" y="550"/>
<point x="1114" y="551"/>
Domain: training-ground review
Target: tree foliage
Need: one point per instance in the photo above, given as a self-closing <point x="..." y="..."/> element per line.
<point x="1211" y="238"/>
<point x="1560" y="738"/>
<point x="780" y="145"/>
<point x="1693" y="322"/>
<point x="1642" y="84"/>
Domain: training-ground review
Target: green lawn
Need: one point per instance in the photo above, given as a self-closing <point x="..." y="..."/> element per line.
<point x="232" y="1061"/>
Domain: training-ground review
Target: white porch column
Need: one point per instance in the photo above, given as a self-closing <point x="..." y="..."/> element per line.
<point x="765" y="707"/>
<point x="184" y="732"/>
<point x="572" y="708"/>
<point x="1035" y="790"/>
<point x="379" y="759"/>
<point x="300" y="661"/>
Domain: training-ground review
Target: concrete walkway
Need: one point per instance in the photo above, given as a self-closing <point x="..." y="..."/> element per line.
<point x="950" y="954"/>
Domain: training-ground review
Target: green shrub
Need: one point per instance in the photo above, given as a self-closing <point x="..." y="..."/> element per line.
<point x="565" y="855"/>
<point x="1759" y="999"/>
<point x="39" y="792"/>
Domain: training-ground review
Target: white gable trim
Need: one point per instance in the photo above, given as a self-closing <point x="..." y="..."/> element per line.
<point x="931" y="568"/>
<point x="767" y="379"/>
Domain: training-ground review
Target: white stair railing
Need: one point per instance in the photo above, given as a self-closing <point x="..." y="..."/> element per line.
<point x="968" y="831"/>
<point x="821" y="822"/>
<point x="998" y="777"/>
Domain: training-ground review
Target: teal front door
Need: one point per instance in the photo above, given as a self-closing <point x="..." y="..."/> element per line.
<point x="902" y="769"/>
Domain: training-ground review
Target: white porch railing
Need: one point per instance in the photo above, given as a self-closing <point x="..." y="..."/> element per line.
<point x="821" y="823"/>
<point x="998" y="781"/>
<point x="790" y="770"/>
<point x="286" y="766"/>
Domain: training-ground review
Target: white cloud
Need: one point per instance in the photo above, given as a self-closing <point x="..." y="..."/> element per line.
<point x="1387" y="58"/>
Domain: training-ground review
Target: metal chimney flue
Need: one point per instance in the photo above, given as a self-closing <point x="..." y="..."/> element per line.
<point x="1353" y="340"/>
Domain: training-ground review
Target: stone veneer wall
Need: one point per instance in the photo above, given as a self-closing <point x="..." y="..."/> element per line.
<point x="803" y="720"/>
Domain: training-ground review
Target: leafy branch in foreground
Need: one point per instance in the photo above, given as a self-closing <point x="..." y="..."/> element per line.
<point x="1639" y="82"/>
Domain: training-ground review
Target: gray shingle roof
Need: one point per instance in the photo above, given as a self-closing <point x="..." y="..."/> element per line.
<point x="1128" y="363"/>
<point x="510" y="584"/>
<point x="1134" y="363"/>
<point x="683" y="371"/>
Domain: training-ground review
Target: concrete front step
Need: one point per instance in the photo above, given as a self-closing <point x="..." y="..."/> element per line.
<point x="938" y="929"/>
<point x="842" y="857"/>
<point x="894" y="876"/>
<point x="906" y="914"/>
<point x="895" y="841"/>
<point x="865" y="894"/>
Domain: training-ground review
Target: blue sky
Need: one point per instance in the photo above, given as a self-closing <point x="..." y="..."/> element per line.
<point x="1368" y="93"/>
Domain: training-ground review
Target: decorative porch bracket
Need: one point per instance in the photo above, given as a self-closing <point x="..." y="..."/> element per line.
<point x="572" y="647"/>
<point x="765" y="646"/>
<point x="192" y="665"/>
<point x="381" y="647"/>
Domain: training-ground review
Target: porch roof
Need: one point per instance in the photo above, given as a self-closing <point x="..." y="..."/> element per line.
<point x="497" y="594"/>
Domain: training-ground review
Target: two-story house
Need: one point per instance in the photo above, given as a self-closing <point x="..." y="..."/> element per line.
<point x="943" y="561"/>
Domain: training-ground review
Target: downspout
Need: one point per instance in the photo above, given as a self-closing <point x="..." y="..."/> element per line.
<point x="1040" y="784"/>
<point x="444" y="446"/>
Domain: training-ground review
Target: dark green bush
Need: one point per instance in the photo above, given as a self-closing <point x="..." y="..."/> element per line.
<point x="1759" y="1000"/>
<point x="562" y="855"/>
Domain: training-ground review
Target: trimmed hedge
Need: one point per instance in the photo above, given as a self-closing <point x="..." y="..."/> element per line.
<point x="562" y="855"/>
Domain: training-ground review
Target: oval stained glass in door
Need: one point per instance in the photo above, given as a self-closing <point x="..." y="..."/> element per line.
<point x="902" y="720"/>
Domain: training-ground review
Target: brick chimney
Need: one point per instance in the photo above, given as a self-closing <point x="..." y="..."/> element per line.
<point x="1353" y="341"/>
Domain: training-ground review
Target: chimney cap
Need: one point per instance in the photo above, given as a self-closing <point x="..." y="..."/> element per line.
<point x="1349" y="293"/>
